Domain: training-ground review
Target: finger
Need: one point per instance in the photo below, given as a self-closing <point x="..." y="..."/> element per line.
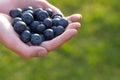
<point x="74" y="25"/>
<point x="58" y="41"/>
<point x="74" y="18"/>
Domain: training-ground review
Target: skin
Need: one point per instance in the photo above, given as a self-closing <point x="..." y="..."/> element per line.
<point x="10" y="39"/>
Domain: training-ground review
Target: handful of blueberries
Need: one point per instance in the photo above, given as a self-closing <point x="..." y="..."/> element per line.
<point x="37" y="25"/>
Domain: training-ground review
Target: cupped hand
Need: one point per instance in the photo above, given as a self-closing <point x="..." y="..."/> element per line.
<point x="11" y="40"/>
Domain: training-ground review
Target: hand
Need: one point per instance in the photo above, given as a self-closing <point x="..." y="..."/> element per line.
<point x="10" y="39"/>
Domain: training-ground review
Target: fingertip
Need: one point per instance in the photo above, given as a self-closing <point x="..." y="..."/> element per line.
<point x="74" y="25"/>
<point x="74" y="18"/>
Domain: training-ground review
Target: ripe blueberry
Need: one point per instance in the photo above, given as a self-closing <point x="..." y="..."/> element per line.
<point x="59" y="30"/>
<point x="25" y="36"/>
<point x="55" y="21"/>
<point x="36" y="39"/>
<point x="19" y="27"/>
<point x="49" y="11"/>
<point x="63" y="22"/>
<point x="16" y="20"/>
<point x="27" y="18"/>
<point x="40" y="28"/>
<point x="47" y="22"/>
<point x="34" y="25"/>
<point x="48" y="34"/>
<point x="15" y="12"/>
<point x="36" y="11"/>
<point x="42" y="15"/>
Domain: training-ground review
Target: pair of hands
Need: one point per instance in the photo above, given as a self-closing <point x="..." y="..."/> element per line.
<point x="10" y="39"/>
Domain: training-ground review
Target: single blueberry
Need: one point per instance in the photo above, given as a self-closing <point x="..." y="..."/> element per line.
<point x="40" y="28"/>
<point x="27" y="18"/>
<point x="28" y="8"/>
<point x="63" y="22"/>
<point x="16" y="20"/>
<point x="55" y="21"/>
<point x="48" y="34"/>
<point x="36" y="39"/>
<point x="15" y="12"/>
<point x="19" y="27"/>
<point x="49" y="11"/>
<point x="59" y="30"/>
<point x="42" y="15"/>
<point x="34" y="25"/>
<point x="47" y="22"/>
<point x="25" y="36"/>
<point x="36" y="12"/>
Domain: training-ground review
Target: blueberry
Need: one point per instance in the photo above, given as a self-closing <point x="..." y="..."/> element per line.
<point x="48" y="34"/>
<point x="42" y="15"/>
<point x="36" y="12"/>
<point x="34" y="25"/>
<point x="27" y="18"/>
<point x="28" y="11"/>
<point x="58" y="30"/>
<point x="57" y="15"/>
<point x="25" y="36"/>
<point x="28" y="8"/>
<point x="19" y="27"/>
<point x="36" y="39"/>
<point x="16" y="20"/>
<point x="63" y="22"/>
<point x="15" y="12"/>
<point x="40" y="28"/>
<point x="49" y="11"/>
<point x="47" y="22"/>
<point x="55" y="21"/>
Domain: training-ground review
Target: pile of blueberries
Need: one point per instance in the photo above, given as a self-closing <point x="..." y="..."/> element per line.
<point x="37" y="25"/>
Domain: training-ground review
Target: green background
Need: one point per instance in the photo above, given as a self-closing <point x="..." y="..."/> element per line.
<point x="93" y="54"/>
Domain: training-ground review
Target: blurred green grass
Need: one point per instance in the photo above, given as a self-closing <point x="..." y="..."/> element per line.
<point x="93" y="54"/>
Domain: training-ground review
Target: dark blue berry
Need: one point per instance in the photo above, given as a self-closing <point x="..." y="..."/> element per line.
<point x="48" y="34"/>
<point x="15" y="12"/>
<point x="63" y="22"/>
<point x="59" y="30"/>
<point x="49" y="11"/>
<point x="42" y="15"/>
<point x="40" y="28"/>
<point x="47" y="22"/>
<point x="19" y="27"/>
<point x="28" y="8"/>
<point x="55" y="21"/>
<point x="27" y="18"/>
<point x="34" y="25"/>
<point x="36" y="11"/>
<point x="36" y="39"/>
<point x="16" y="20"/>
<point x="25" y="36"/>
